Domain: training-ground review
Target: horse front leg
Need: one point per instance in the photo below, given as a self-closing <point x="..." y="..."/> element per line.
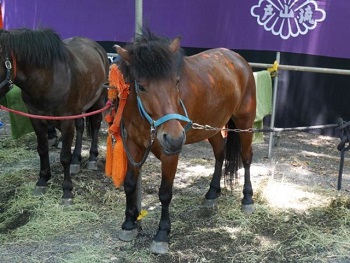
<point x="67" y="129"/>
<point x="76" y="157"/>
<point x="218" y="144"/>
<point x="160" y="243"/>
<point x="130" y="227"/>
<point x="40" y="129"/>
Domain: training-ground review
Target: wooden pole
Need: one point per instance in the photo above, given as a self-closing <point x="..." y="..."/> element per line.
<point x="138" y="16"/>
<point x="138" y="30"/>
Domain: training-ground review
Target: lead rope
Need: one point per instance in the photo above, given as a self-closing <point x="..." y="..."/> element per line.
<point x="131" y="160"/>
<point x="343" y="146"/>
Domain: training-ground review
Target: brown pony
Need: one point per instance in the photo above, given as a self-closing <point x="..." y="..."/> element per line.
<point x="57" y="78"/>
<point x="168" y="93"/>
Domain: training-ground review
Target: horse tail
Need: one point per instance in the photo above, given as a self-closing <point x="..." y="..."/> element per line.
<point x="232" y="152"/>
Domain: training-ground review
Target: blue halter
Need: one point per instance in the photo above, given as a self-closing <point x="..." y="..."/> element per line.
<point x="154" y="124"/>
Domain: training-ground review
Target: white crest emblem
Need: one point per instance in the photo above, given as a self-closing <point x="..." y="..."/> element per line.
<point x="288" y="18"/>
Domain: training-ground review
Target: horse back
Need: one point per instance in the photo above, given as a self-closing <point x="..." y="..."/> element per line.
<point x="216" y="85"/>
<point x="220" y="66"/>
<point x="89" y="67"/>
<point x="88" y="52"/>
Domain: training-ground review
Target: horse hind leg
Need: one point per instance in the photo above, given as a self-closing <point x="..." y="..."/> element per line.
<point x="76" y="157"/>
<point x="218" y="144"/>
<point x="246" y="139"/>
<point x="94" y="128"/>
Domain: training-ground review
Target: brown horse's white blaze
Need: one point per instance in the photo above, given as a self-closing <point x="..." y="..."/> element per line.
<point x="168" y="91"/>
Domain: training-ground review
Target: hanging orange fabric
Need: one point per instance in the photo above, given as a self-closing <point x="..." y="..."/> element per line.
<point x="116" y="160"/>
<point x="1" y="20"/>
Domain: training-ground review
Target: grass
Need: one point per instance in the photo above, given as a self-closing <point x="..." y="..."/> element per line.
<point x="39" y="229"/>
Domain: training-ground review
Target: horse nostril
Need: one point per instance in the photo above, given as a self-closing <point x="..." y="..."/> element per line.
<point x="173" y="145"/>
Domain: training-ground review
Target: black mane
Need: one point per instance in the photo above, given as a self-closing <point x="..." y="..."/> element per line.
<point x="151" y="57"/>
<point x="37" y="47"/>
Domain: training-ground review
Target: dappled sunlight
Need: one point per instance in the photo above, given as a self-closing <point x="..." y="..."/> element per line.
<point x="323" y="140"/>
<point x="290" y="196"/>
<point x="319" y="155"/>
<point x="233" y="232"/>
<point x="196" y="169"/>
<point x="266" y="242"/>
<point x="191" y="173"/>
<point x="319" y="141"/>
<point x="274" y="182"/>
<point x="257" y="170"/>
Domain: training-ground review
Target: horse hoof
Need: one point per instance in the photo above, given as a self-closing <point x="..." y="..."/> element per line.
<point x="211" y="203"/>
<point x="127" y="235"/>
<point x="74" y="168"/>
<point x="67" y="201"/>
<point x="92" y="165"/>
<point x="248" y="209"/>
<point x="59" y="145"/>
<point x="159" y="247"/>
<point x="40" y="190"/>
<point x="52" y="142"/>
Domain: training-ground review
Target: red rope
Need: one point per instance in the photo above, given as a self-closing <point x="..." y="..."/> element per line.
<point x="43" y="117"/>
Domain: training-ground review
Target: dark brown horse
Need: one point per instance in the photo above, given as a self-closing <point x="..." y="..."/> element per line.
<point x="168" y="93"/>
<point x="57" y="78"/>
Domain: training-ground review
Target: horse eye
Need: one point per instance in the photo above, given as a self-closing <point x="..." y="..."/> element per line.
<point x="140" y="87"/>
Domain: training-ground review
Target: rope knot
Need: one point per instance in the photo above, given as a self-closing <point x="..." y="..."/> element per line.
<point x="344" y="128"/>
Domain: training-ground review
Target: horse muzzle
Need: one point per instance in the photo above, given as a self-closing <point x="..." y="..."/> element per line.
<point x="170" y="143"/>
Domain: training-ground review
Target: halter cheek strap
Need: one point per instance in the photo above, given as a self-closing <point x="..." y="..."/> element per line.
<point x="8" y="82"/>
<point x="14" y="65"/>
<point x="154" y="124"/>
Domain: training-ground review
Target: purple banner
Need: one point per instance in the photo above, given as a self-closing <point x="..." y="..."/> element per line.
<point x="316" y="27"/>
<point x="112" y="20"/>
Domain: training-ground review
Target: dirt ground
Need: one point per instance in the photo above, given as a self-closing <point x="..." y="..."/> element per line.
<point x="301" y="176"/>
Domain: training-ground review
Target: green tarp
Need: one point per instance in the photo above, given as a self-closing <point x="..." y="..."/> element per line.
<point x="263" y="101"/>
<point x="20" y="125"/>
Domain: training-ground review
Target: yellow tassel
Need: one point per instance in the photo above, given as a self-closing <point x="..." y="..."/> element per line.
<point x="119" y="164"/>
<point x="109" y="156"/>
<point x="142" y="214"/>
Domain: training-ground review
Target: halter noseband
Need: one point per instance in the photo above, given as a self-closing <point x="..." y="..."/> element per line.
<point x="7" y="82"/>
<point x="172" y="116"/>
<point x="154" y="124"/>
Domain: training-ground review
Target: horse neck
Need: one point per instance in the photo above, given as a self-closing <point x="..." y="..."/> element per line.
<point x="32" y="81"/>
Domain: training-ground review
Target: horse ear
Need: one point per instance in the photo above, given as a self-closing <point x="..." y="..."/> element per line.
<point x="175" y="44"/>
<point x="123" y="53"/>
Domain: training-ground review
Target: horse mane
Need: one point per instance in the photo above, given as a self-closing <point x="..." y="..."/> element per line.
<point x="37" y="47"/>
<point x="151" y="57"/>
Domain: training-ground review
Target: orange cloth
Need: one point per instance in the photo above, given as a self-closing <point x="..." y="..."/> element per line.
<point x="1" y="20"/>
<point x="116" y="160"/>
